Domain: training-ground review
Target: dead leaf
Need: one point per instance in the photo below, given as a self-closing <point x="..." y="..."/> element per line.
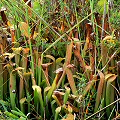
<point x="99" y="90"/>
<point x="58" y="97"/>
<point x="71" y="81"/>
<point x="76" y="50"/>
<point x="68" y="53"/>
<point x="25" y="29"/>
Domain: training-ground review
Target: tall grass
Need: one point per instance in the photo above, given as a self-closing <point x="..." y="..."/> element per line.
<point x="58" y="60"/>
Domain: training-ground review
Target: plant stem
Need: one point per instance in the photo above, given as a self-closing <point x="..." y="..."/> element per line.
<point x="102" y="109"/>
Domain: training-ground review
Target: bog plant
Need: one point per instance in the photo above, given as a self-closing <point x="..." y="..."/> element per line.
<point x="59" y="60"/>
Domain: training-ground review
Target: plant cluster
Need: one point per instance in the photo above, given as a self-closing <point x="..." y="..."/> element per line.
<point x="59" y="59"/>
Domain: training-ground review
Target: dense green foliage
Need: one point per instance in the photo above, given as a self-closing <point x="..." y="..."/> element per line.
<point x="59" y="59"/>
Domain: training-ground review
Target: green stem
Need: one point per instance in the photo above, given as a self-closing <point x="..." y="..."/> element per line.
<point x="1" y="80"/>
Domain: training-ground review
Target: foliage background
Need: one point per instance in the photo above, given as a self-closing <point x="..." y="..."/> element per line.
<point x="59" y="59"/>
